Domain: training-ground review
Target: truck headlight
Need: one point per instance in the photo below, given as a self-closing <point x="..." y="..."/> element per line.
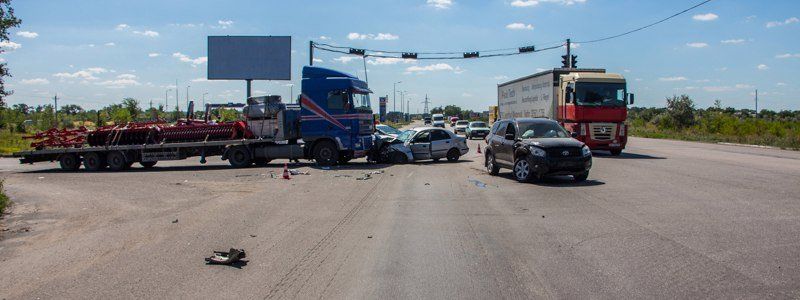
<point x="536" y="151"/>
<point x="622" y="129"/>
<point x="585" y="151"/>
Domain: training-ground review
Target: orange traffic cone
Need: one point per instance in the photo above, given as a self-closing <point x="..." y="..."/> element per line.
<point x="286" y="171"/>
<point x="479" y="148"/>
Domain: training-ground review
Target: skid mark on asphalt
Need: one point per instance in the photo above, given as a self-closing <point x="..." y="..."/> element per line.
<point x="315" y="257"/>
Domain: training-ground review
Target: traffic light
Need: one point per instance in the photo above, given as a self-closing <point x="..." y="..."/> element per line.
<point x="357" y="51"/>
<point x="574" y="61"/>
<point x="564" y="62"/>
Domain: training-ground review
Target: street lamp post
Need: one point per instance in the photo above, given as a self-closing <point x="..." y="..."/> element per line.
<point x="394" y="95"/>
<point x="291" y="92"/>
<point x="204" y="103"/>
<point x="187" y="95"/>
<point x="166" y="98"/>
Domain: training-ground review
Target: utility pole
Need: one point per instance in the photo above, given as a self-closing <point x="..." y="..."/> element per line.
<point x="187" y="95"/>
<point x="166" y="99"/>
<point x="394" y="95"/>
<point x="756" y="103"/>
<point x="55" y="110"/>
<point x="569" y="54"/>
<point x="177" y="107"/>
<point x="310" y="53"/>
<point x="426" y="102"/>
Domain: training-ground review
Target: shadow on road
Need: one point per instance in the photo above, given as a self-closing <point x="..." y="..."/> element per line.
<point x="625" y="155"/>
<point x="558" y="181"/>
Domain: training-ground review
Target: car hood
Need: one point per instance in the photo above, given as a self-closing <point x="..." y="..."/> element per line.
<point x="554" y="142"/>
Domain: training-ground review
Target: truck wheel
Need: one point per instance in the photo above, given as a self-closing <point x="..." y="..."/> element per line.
<point x="325" y="153"/>
<point x="453" y="155"/>
<point x="491" y="165"/>
<point x="616" y="152"/>
<point x="581" y="177"/>
<point x="94" y="161"/>
<point x="116" y="161"/>
<point x="69" y="162"/>
<point x="148" y="164"/>
<point x="523" y="171"/>
<point x="239" y="157"/>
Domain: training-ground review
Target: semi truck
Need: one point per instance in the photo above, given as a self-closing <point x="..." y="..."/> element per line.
<point x="588" y="102"/>
<point x="332" y="123"/>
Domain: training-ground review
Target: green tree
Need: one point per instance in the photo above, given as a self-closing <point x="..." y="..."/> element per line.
<point x="132" y="105"/>
<point x="71" y="109"/>
<point x="681" y="110"/>
<point x="7" y="20"/>
<point x="452" y="110"/>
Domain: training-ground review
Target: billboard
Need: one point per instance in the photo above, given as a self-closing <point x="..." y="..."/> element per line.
<point x="382" y="107"/>
<point x="249" y="57"/>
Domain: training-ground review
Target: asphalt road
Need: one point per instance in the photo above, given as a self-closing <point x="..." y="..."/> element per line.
<point x="667" y="219"/>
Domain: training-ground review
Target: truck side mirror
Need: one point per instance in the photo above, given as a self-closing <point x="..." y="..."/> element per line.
<point x="574" y="135"/>
<point x="631" y="97"/>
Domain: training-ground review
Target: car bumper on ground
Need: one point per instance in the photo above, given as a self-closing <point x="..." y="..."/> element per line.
<point x="546" y="166"/>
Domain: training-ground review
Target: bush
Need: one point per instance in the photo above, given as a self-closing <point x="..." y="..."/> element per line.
<point x="4" y="201"/>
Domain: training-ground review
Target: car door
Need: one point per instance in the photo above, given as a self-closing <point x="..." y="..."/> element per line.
<point x="509" y="138"/>
<point x="441" y="142"/>
<point x="496" y="141"/>
<point x="421" y="145"/>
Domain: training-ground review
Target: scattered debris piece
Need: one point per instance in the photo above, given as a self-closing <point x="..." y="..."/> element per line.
<point x="231" y="257"/>
<point x="542" y="216"/>
<point x="366" y="176"/>
<point x="478" y="183"/>
<point x="40" y="177"/>
<point x="326" y="168"/>
<point x="427" y="183"/>
<point x="175" y="221"/>
<point x="342" y="175"/>
<point x="376" y="172"/>
<point x="253" y="235"/>
<point x="298" y="172"/>
<point x="369" y="236"/>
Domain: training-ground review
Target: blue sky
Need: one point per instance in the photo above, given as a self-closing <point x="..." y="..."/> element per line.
<point x="94" y="53"/>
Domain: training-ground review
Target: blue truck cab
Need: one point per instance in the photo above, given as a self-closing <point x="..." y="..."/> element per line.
<point x="336" y="116"/>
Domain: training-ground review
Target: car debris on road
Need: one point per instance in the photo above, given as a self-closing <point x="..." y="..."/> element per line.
<point x="233" y="256"/>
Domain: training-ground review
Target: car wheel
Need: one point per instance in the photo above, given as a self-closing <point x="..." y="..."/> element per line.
<point x="523" y="171"/>
<point x="69" y="162"/>
<point x="453" y="155"/>
<point x="581" y="177"/>
<point x="239" y="157"/>
<point x="491" y="165"/>
<point x="325" y="153"/>
<point x="94" y="161"/>
<point x="616" y="152"/>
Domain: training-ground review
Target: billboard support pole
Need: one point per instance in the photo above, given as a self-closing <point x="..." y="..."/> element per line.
<point x="249" y="85"/>
<point x="310" y="53"/>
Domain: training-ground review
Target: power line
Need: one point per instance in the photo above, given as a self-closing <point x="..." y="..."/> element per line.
<point x="646" y="26"/>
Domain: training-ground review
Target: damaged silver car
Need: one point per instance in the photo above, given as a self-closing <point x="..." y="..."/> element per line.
<point x="424" y="143"/>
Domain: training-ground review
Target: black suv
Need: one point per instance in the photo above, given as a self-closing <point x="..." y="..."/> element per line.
<point x="534" y="148"/>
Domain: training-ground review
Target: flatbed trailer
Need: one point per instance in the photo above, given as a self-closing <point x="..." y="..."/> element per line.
<point x="238" y="152"/>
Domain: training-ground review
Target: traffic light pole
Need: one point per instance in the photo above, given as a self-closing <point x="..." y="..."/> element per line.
<point x="569" y="54"/>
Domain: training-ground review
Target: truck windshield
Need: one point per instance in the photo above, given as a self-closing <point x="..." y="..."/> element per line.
<point x="539" y="130"/>
<point x="600" y="94"/>
<point x="361" y="102"/>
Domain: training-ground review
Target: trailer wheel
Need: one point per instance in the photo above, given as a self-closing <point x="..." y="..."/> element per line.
<point x="116" y="161"/>
<point x="148" y="164"/>
<point x="239" y="157"/>
<point x="69" y="162"/>
<point x="325" y="153"/>
<point x="94" y="161"/>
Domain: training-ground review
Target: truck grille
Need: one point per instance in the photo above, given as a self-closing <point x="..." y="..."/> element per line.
<point x="559" y="152"/>
<point x="602" y="131"/>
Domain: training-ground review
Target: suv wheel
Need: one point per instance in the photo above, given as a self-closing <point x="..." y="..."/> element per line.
<point x="491" y="165"/>
<point x="581" y="177"/>
<point x="523" y="171"/>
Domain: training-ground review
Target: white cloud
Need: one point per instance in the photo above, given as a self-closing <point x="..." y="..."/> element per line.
<point x="743" y="86"/>
<point x="147" y="33"/>
<point x="345" y="59"/>
<point x="784" y="22"/>
<point x="733" y="41"/>
<point x="122" y="27"/>
<point x="433" y="68"/>
<point x="225" y="23"/>
<point x="119" y="83"/>
<point x="389" y="61"/>
<point x="762" y="67"/>
<point x="726" y="88"/>
<point x="9" y="45"/>
<point x="85" y="74"/>
<point x="110" y="44"/>
<point x="529" y="3"/>
<point x="187" y="59"/>
<point x="370" y="36"/>
<point x="126" y="76"/>
<point x="318" y="60"/>
<point x="154" y="54"/>
<point x="466" y="95"/>
<point x="705" y="17"/>
<point x="788" y="55"/>
<point x="28" y="34"/>
<point x="780" y="84"/>
<point x="324" y="38"/>
<point x="519" y="26"/>
<point x="674" y="78"/>
<point x="440" y="4"/>
<point x="201" y="79"/>
<point x="35" y="81"/>
<point x="500" y="77"/>
<point x="697" y="45"/>
<point x="386" y="37"/>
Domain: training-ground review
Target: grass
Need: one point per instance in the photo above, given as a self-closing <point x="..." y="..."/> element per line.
<point x="4" y="201"/>
<point x="789" y="142"/>
<point x="12" y="142"/>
